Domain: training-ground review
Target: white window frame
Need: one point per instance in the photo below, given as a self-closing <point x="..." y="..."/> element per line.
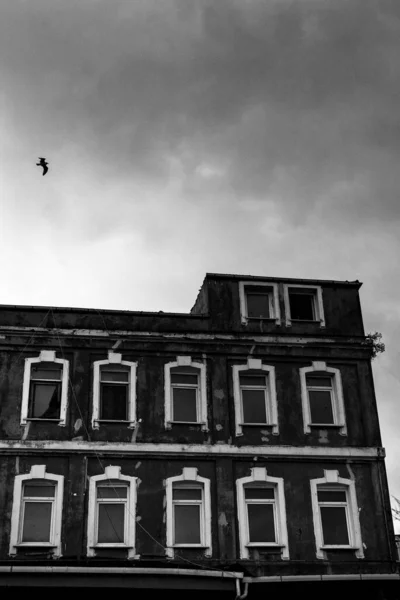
<point x="273" y="301"/>
<point x="114" y="358"/>
<point x="45" y="356"/>
<point x="330" y="481"/>
<point x="271" y="400"/>
<point x="54" y="544"/>
<point x="259" y="474"/>
<point x="339" y="417"/>
<point x="186" y="361"/>
<point x="318" y="303"/>
<point x="189" y="475"/>
<point x="112" y="473"/>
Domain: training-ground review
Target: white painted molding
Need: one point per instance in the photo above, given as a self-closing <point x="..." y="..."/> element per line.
<point x="129" y="449"/>
<point x="274" y="303"/>
<point x="319" y="304"/>
<point x="45" y="356"/>
<point x="113" y="359"/>
<point x="112" y="473"/>
<point x="260" y="474"/>
<point x="331" y="480"/>
<point x="189" y="474"/>
<point x="272" y="404"/>
<point x="54" y="545"/>
<point x="337" y="401"/>
<point x="186" y="361"/>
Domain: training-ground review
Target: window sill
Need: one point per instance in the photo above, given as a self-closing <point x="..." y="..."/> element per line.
<point x="186" y="423"/>
<point x="110" y="546"/>
<point x="113" y="421"/>
<point x="45" y="420"/>
<point x="200" y="546"/>
<point x="264" y="545"/>
<point x="258" y="424"/>
<point x="35" y="545"/>
<point x="325" y="425"/>
<point x="305" y="321"/>
<point x="352" y="548"/>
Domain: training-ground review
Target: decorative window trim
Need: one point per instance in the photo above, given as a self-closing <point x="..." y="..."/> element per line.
<point x="112" y="473"/>
<point x="318" y="303"/>
<point x="54" y="545"/>
<point x="189" y="474"/>
<point x="274" y="305"/>
<point x="259" y="474"/>
<point x="255" y="363"/>
<point x="337" y="401"/>
<point x="354" y="531"/>
<point x="45" y="356"/>
<point x="186" y="361"/>
<point x="114" y="358"/>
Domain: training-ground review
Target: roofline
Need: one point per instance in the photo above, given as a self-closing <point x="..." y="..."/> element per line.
<point x="72" y="309"/>
<point x="355" y="283"/>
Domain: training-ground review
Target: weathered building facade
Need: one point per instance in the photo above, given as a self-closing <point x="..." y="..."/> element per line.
<point x="232" y="450"/>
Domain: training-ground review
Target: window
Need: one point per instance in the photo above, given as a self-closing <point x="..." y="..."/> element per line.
<point x="335" y="513"/>
<point x="111" y="515"/>
<point x="37" y="509"/>
<point x="322" y="397"/>
<point x="185" y="392"/>
<point x="45" y="387"/>
<point x="114" y="391"/>
<point x="188" y="512"/>
<point x="304" y="303"/>
<point x="259" y="301"/>
<point x="255" y="395"/>
<point x="261" y="513"/>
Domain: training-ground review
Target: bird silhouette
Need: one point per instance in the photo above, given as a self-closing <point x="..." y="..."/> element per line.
<point x="42" y="163"/>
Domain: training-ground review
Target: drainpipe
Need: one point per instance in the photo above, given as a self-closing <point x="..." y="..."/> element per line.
<point x="246" y="589"/>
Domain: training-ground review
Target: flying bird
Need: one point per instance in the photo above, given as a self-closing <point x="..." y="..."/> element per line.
<point x="42" y="163"/>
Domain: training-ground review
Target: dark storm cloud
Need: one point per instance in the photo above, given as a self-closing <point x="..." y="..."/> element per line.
<point x="297" y="100"/>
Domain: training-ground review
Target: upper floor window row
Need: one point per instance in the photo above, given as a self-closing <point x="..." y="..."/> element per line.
<point x="260" y="301"/>
<point x="185" y="394"/>
<point x="36" y="519"/>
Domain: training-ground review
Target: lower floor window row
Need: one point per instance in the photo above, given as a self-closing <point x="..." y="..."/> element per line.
<point x="111" y="523"/>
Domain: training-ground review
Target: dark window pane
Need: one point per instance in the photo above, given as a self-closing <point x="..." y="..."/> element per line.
<point x="111" y="523"/>
<point x="261" y="522"/>
<point x="321" y="407"/>
<point x="114" y="402"/>
<point x="185" y="405"/>
<point x="301" y="306"/>
<point x="334" y="525"/>
<point x="254" y="410"/>
<point x="332" y="496"/>
<point x="258" y="306"/>
<point x="259" y="492"/>
<point x="313" y="381"/>
<point x="39" y="372"/>
<point x="45" y="400"/>
<point x="37" y="520"/>
<point x="184" y="378"/>
<point x="112" y="492"/>
<point x="39" y="490"/>
<point x="187" y="524"/>
<point x="122" y="376"/>
<point x="186" y="493"/>
<point x="252" y="379"/>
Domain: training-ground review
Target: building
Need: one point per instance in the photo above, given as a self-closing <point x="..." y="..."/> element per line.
<point x="233" y="450"/>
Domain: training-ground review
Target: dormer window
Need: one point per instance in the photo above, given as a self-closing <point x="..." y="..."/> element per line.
<point x="259" y="301"/>
<point x="303" y="303"/>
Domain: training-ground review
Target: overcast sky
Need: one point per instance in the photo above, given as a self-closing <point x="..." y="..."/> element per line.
<point x="186" y="136"/>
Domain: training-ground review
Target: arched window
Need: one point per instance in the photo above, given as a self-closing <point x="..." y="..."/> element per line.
<point x="114" y="391"/>
<point x="45" y="389"/>
<point x="185" y="393"/>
